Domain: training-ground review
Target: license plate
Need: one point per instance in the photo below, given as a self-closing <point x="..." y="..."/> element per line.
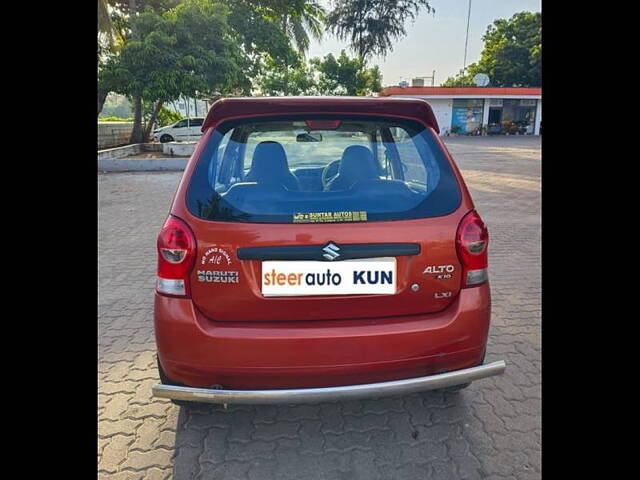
<point x="371" y="276"/>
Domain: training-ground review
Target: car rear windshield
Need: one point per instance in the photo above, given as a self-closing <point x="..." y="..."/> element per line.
<point x="322" y="169"/>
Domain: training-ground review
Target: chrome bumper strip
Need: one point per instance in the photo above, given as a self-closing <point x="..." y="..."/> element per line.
<point x="331" y="394"/>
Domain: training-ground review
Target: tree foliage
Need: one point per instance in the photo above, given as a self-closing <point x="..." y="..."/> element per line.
<point x="164" y="116"/>
<point x="188" y="50"/>
<point x="258" y="36"/>
<point x="298" y="21"/>
<point x="120" y="13"/>
<point x="117" y="15"/>
<point x="183" y="52"/>
<point x="343" y="75"/>
<point x="117" y="106"/>
<point x="371" y="26"/>
<point x="511" y="55"/>
<point x="177" y="51"/>
<point x="303" y="19"/>
<point x="299" y="79"/>
<point x="169" y="49"/>
<point x="114" y="118"/>
<point x="157" y="6"/>
<point x="346" y="76"/>
<point x="106" y="30"/>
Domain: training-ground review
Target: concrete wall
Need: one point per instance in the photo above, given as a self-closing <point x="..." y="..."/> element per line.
<point x="113" y="134"/>
<point x="442" y="110"/>
<point x="179" y="148"/>
<point x="128" y="150"/>
<point x="120" y="159"/>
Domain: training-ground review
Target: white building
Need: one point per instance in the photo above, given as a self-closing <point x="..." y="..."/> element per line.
<point x="470" y="110"/>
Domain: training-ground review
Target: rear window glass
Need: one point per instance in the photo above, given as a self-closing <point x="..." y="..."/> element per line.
<point x="322" y="169"/>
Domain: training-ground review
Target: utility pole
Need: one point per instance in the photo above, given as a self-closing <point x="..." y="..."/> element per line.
<point x="466" y="41"/>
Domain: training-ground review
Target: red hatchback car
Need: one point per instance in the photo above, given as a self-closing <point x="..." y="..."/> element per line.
<point x="320" y="248"/>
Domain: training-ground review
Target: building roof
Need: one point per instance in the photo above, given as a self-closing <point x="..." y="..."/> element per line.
<point x="236" y="107"/>
<point x="462" y="91"/>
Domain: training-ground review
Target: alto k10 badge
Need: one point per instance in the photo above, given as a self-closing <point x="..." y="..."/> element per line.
<point x="441" y="272"/>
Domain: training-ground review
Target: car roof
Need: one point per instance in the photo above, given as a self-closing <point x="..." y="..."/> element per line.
<point x="232" y="107"/>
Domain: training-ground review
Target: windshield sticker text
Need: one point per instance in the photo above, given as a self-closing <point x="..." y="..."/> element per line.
<point x="329" y="217"/>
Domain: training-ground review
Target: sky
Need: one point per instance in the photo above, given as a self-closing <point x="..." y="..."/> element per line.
<point x="434" y="41"/>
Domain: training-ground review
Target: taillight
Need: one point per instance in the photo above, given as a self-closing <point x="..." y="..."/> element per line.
<point x="176" y="255"/>
<point x="472" y="240"/>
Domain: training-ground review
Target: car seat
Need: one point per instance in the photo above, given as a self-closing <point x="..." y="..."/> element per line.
<point x="357" y="164"/>
<point x="269" y="166"/>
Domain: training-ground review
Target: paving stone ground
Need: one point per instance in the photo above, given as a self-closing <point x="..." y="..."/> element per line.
<point x="490" y="430"/>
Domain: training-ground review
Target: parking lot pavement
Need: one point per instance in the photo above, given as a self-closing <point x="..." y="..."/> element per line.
<point x="490" y="430"/>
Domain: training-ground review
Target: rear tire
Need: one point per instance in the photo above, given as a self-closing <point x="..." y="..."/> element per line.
<point x="456" y="388"/>
<point x="166" y="138"/>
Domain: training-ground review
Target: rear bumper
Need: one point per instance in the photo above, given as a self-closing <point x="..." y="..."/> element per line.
<point x="348" y="392"/>
<point x="195" y="351"/>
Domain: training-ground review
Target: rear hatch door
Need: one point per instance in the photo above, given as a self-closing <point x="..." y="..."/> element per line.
<point x="226" y="287"/>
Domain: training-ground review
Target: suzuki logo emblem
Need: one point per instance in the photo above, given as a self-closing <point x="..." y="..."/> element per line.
<point x="331" y="251"/>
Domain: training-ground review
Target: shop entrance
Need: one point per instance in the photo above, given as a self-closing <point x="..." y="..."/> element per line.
<point x="495" y="120"/>
<point x="495" y="114"/>
<point x="518" y="117"/>
<point x="511" y="117"/>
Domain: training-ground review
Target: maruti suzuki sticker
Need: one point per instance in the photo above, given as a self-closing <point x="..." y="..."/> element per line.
<point x="216" y="276"/>
<point x="329" y="217"/>
<point x="348" y="277"/>
<point x="212" y="258"/>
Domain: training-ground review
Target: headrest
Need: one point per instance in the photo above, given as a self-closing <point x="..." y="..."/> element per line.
<point x="269" y="165"/>
<point x="358" y="163"/>
<point x="270" y="155"/>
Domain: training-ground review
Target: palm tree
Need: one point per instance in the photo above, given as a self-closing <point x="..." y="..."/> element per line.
<point x="371" y="26"/>
<point x="105" y="27"/>
<point x="298" y="22"/>
<point x="108" y="40"/>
